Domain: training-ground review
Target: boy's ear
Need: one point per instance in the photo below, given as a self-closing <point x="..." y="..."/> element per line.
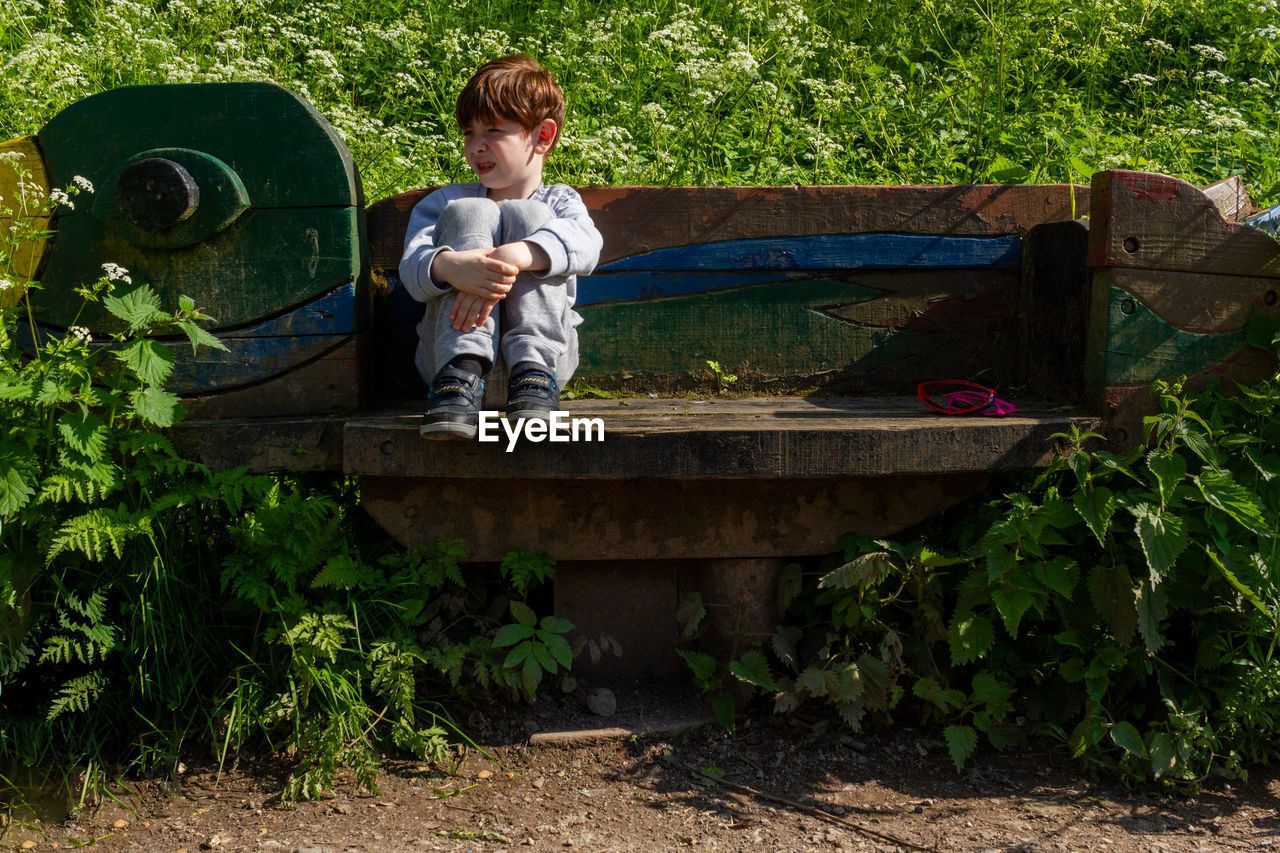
<point x="544" y="135"/>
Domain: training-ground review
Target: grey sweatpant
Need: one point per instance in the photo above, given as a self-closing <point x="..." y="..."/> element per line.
<point x="535" y="323"/>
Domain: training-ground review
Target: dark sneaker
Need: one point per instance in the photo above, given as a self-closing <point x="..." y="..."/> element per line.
<point x="453" y="406"/>
<point x="532" y="393"/>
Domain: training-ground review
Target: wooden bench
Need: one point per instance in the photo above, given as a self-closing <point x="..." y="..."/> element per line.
<point x="829" y="305"/>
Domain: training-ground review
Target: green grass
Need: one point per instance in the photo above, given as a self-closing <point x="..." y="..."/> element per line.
<point x="755" y="92"/>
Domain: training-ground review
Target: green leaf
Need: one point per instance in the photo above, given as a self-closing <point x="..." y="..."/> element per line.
<point x="753" y="669"/>
<point x="556" y="625"/>
<point x="990" y="691"/>
<point x="724" y="708"/>
<point x="140" y="308"/>
<point x="156" y="406"/>
<point x="1268" y="465"/>
<point x="928" y="689"/>
<point x="1126" y="737"/>
<point x="558" y="646"/>
<point x="1000" y="562"/>
<point x="1261" y="329"/>
<point x="1169" y="469"/>
<point x="84" y="432"/>
<point x="518" y="655"/>
<point x="1095" y="506"/>
<point x="1059" y="574"/>
<point x="1240" y="587"/>
<point x="148" y="360"/>
<point x="531" y="676"/>
<point x="862" y="571"/>
<point x="786" y="641"/>
<point x="1151" y="611"/>
<point x="509" y="635"/>
<point x="703" y="666"/>
<point x="971" y="636"/>
<point x="1224" y="493"/>
<point x="1162" y="541"/>
<point x="961" y="742"/>
<point x="524" y="614"/>
<point x="812" y="682"/>
<point x="200" y="337"/>
<point x="1111" y="589"/>
<point x="543" y="657"/>
<point x="689" y="614"/>
<point x="844" y="683"/>
<point x="790" y="582"/>
<point x="1012" y="604"/>
<point x="1163" y="755"/>
<point x="1086" y="733"/>
<point x="15" y="491"/>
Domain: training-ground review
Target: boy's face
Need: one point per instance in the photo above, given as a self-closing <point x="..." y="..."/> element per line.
<point x="506" y="159"/>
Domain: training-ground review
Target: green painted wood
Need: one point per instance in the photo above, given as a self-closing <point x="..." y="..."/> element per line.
<point x="266" y="263"/>
<point x="779" y="328"/>
<point x="284" y="151"/>
<point x="222" y="198"/>
<point x="253" y="142"/>
<point x="1141" y="347"/>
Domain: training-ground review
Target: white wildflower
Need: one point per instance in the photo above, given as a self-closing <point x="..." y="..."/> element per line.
<point x="80" y="333"/>
<point x="115" y="272"/>
<point x="82" y="182"/>
<point x="1158" y="46"/>
<point x="5" y="284"/>
<point x="1209" y="52"/>
<point x="57" y="196"/>
<point x="11" y="155"/>
<point x="1212" y="76"/>
<point x="1145" y="80"/>
<point x="1269" y="33"/>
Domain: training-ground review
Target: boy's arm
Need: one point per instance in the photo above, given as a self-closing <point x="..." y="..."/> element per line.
<point x="571" y="242"/>
<point x="420" y="249"/>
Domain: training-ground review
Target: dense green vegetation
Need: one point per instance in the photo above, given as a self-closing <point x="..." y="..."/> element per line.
<point x="149" y="608"/>
<point x="717" y="92"/>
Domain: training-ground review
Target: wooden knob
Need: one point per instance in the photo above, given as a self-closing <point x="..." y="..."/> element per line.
<point x="156" y="193"/>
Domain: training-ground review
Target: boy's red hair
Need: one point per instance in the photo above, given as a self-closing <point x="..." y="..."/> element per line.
<point x="512" y="88"/>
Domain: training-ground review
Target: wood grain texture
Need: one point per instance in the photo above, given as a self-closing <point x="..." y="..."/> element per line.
<point x="1054" y="310"/>
<point x="1141" y="347"/>
<point x="262" y="445"/>
<point x="286" y="153"/>
<point x="635" y="220"/>
<point x="25" y="264"/>
<point x="330" y="384"/>
<point x="1147" y="221"/>
<point x="893" y="329"/>
<point x="1230" y="197"/>
<point x="1197" y="302"/>
<point x="680" y="519"/>
<point x="267" y="262"/>
<point x="829" y="252"/>
<point x="1124" y="406"/>
<point x="748" y="439"/>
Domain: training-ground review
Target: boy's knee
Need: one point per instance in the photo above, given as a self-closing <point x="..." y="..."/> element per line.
<point x="469" y="216"/>
<point x="521" y="217"/>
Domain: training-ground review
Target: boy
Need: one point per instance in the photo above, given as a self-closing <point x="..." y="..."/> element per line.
<point x="503" y="242"/>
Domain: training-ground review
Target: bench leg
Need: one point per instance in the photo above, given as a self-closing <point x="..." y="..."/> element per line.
<point x="635" y="601"/>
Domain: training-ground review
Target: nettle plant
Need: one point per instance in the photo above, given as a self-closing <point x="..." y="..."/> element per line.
<point x="120" y="639"/>
<point x="1124" y="603"/>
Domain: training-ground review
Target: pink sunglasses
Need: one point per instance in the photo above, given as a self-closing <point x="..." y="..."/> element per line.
<point x="958" y="397"/>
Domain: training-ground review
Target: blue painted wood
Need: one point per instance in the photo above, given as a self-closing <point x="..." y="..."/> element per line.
<point x="331" y="314"/>
<point x="603" y="287"/>
<point x="247" y="360"/>
<point x="831" y="251"/>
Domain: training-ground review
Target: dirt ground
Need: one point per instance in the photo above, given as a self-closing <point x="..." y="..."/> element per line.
<point x="785" y="786"/>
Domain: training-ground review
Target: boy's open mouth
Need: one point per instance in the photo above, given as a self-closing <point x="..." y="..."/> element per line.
<point x="483" y="166"/>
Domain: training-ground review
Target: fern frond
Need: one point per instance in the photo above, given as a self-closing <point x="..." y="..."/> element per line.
<point x="97" y="531"/>
<point x="77" y="695"/>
